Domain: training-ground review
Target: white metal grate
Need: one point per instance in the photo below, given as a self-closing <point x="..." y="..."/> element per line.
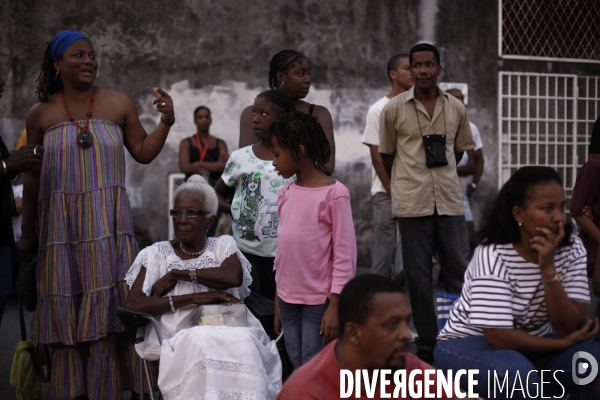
<point x="559" y="29"/>
<point x="546" y="119"/>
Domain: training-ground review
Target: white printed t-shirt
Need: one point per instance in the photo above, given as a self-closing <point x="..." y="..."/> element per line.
<point x="254" y="205"/>
<point x="371" y="137"/>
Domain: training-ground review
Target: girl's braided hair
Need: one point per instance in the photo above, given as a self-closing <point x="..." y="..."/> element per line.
<point x="281" y="62"/>
<point x="297" y="128"/>
<point x="281" y="100"/>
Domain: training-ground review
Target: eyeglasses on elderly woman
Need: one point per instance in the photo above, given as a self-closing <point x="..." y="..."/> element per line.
<point x="190" y="213"/>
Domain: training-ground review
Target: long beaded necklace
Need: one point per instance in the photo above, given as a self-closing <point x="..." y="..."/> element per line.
<point x="84" y="137"/>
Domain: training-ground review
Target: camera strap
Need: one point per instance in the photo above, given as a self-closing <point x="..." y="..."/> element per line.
<point x="419" y="121"/>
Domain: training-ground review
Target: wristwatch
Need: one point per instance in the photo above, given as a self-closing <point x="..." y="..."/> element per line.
<point x="473" y="185"/>
<point x="553" y="280"/>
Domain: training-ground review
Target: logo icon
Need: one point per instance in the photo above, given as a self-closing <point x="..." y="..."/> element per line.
<point x="582" y="367"/>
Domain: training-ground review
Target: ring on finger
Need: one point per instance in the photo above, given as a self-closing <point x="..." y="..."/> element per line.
<point x="35" y="150"/>
<point x="163" y="104"/>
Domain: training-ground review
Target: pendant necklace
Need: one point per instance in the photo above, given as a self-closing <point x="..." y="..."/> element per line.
<point x="84" y="137"/>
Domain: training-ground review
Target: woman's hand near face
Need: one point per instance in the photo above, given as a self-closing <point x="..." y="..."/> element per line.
<point x="545" y="243"/>
<point x="565" y="315"/>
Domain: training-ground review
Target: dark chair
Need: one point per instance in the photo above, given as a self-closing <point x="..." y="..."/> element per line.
<point x="138" y="321"/>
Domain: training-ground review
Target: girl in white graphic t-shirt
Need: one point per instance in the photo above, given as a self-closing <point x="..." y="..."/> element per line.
<point x="252" y="184"/>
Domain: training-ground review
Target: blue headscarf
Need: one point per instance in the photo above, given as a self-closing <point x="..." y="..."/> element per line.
<point x="62" y="41"/>
<point x="59" y="44"/>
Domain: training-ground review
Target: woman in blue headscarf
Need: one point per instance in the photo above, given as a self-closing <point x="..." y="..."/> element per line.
<point x="77" y="198"/>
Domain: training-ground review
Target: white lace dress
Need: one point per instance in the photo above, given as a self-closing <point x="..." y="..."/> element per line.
<point x="207" y="362"/>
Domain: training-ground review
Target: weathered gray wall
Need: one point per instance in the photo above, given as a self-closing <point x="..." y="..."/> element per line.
<point x="217" y="53"/>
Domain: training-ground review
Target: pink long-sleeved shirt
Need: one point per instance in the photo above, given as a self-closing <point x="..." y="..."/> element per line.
<point x="316" y="246"/>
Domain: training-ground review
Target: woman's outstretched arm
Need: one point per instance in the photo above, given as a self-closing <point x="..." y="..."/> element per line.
<point x="143" y="147"/>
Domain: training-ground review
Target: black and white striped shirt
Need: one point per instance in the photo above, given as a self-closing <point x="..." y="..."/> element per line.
<point x="504" y="291"/>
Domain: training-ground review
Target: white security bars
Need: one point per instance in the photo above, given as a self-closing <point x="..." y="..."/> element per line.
<point x="545" y="119"/>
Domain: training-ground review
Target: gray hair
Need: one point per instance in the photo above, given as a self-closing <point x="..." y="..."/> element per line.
<point x="199" y="185"/>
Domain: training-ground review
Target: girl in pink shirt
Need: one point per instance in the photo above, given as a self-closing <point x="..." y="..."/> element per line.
<point x="316" y="246"/>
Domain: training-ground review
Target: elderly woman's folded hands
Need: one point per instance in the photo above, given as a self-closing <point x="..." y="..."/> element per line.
<point x="168" y="282"/>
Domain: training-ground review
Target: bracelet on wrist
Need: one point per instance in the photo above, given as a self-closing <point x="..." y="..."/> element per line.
<point x="169" y="125"/>
<point x="193" y="276"/>
<point x="171" y="302"/>
<point x="552" y="281"/>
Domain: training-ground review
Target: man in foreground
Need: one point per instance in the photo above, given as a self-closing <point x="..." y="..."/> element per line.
<point x="374" y="314"/>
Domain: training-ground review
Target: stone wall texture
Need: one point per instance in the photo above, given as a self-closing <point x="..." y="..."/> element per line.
<point x="217" y="52"/>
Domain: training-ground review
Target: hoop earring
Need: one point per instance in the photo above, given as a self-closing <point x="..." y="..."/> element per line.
<point x="282" y="82"/>
<point x="56" y="76"/>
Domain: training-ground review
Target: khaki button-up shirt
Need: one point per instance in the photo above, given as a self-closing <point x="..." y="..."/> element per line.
<point x="417" y="190"/>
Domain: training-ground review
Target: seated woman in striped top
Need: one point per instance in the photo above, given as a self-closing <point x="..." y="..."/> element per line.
<point x="521" y="308"/>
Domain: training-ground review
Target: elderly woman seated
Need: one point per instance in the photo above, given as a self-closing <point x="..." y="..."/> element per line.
<point x="172" y="279"/>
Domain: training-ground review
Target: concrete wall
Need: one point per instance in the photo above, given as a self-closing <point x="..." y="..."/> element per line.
<point x="217" y="52"/>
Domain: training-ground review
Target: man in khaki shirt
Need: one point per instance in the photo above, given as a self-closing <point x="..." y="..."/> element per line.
<point x="427" y="199"/>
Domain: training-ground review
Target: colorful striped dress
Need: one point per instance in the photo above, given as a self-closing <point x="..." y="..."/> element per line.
<point x="86" y="246"/>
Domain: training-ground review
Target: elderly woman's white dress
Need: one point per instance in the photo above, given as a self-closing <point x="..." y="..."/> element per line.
<point x="206" y="362"/>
